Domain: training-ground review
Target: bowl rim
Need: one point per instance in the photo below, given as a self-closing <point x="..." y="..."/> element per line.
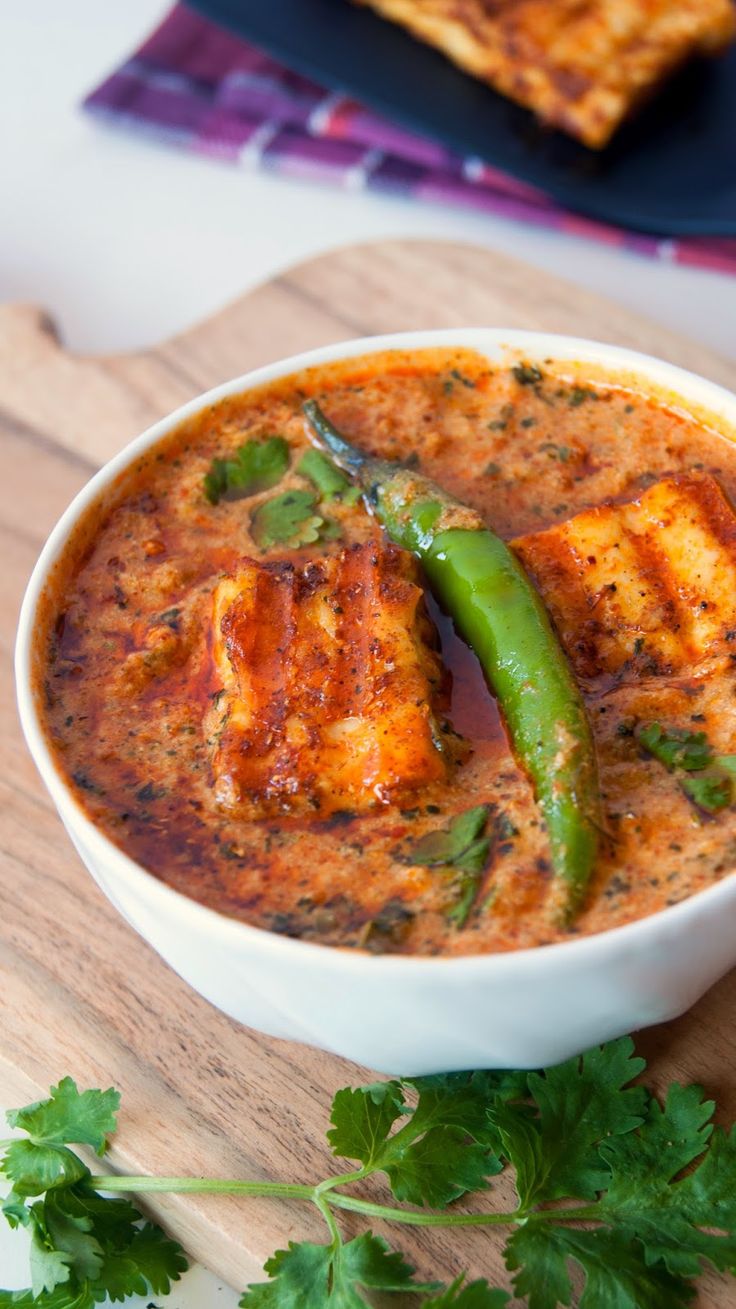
<point x="629" y="367"/>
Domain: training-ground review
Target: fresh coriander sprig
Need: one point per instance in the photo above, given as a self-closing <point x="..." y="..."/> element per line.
<point x="84" y="1246"/>
<point x="639" y="1195"/>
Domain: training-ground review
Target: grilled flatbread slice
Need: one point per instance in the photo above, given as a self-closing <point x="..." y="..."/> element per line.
<point x="580" y="65"/>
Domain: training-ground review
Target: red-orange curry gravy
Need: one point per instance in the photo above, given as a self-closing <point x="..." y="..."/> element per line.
<point x="128" y="682"/>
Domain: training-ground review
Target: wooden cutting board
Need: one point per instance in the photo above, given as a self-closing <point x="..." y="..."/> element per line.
<point x="80" y="992"/>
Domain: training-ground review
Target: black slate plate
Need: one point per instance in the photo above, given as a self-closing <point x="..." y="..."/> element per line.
<point x="671" y="171"/>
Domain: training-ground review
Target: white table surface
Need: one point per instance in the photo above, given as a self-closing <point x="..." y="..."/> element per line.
<point x="126" y="242"/>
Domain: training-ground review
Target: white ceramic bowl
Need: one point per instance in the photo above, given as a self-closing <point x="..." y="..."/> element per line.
<point x="400" y="1014"/>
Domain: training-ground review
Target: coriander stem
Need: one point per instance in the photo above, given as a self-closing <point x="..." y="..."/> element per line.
<point x="326" y="1212"/>
<point x="324" y="1197"/>
<point x="343" y="1179"/>
<point x="590" y="1214"/>
<point x="414" y="1219"/>
<point x="202" y="1185"/>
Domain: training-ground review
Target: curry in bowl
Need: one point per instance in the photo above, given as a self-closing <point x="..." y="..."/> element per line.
<point x="250" y="678"/>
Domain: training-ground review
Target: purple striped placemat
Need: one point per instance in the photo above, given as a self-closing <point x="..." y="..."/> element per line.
<point x="196" y="86"/>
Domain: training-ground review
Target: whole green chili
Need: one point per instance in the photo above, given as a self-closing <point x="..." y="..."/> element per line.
<point x="483" y="587"/>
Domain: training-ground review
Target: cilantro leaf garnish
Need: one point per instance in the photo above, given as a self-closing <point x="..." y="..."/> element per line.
<point x="149" y="1262"/>
<point x="331" y="483"/>
<point x="676" y="749"/>
<point x="439" y="1167"/>
<point x="468" y="1295"/>
<point x="308" y="1276"/>
<point x="623" y="1200"/>
<point x="447" y="844"/>
<point x="705" y="777"/>
<point x="459" y="847"/>
<point x="15" y="1211"/>
<point x="255" y="466"/>
<point x="710" y="791"/>
<point x="675" y="1219"/>
<point x="362" y="1119"/>
<point x="69" y="1116"/>
<point x="43" y="1160"/>
<point x="447" y="1144"/>
<point x="576" y="1105"/>
<point x="34" y="1169"/>
<point x="63" y="1297"/>
<point x="617" y="1272"/>
<point x="289" y="517"/>
<point x="527" y="374"/>
<point x="83" y="1245"/>
<point x="49" y="1267"/>
<point x="70" y="1235"/>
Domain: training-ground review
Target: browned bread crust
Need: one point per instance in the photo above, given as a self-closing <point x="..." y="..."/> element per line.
<point x="580" y="65"/>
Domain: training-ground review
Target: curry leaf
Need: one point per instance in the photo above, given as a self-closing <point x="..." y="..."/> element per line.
<point x="470" y="865"/>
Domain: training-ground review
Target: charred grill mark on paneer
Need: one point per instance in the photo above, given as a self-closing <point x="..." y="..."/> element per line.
<point x="330" y="684"/>
<point x="646" y="588"/>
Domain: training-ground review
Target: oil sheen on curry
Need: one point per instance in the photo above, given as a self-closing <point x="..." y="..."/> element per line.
<point x="254" y="692"/>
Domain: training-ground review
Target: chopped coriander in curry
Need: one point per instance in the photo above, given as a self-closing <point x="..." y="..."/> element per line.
<point x="257" y="696"/>
<point x="253" y="467"/>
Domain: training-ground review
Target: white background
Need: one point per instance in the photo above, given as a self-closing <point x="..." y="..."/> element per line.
<point x="126" y="242"/>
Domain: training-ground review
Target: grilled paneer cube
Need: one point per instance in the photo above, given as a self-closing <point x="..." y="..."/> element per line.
<point x="646" y="588"/>
<point x="330" y="681"/>
<point x="580" y="65"/>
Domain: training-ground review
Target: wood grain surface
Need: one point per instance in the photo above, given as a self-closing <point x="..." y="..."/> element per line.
<point x="81" y="993"/>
